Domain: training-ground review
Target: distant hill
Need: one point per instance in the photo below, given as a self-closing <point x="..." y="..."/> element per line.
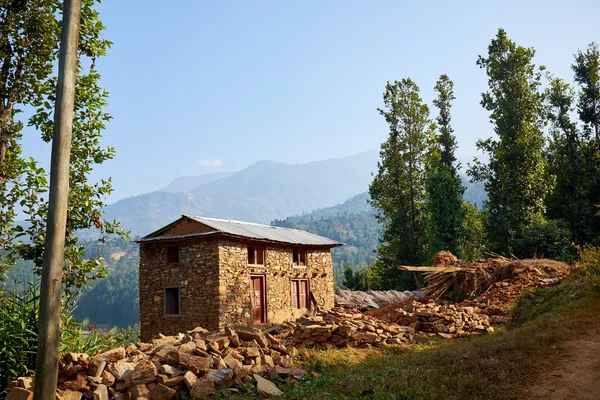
<point x="187" y="183"/>
<point x="259" y="193"/>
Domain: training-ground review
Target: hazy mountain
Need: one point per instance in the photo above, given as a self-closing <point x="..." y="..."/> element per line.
<point x="259" y="193"/>
<point x="294" y="189"/>
<point x="187" y="183"/>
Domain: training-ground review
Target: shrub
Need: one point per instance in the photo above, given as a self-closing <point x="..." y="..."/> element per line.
<point x="589" y="261"/>
<point x="547" y="238"/>
<point x="19" y="316"/>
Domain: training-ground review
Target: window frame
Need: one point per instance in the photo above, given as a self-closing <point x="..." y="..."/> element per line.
<point x="256" y="250"/>
<point x="295" y="283"/>
<point x="301" y="254"/>
<point x="179" y="308"/>
<point x="168" y="257"/>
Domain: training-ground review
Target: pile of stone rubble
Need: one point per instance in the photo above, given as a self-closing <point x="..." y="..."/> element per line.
<point x="189" y="365"/>
<point x="345" y="328"/>
<point x="432" y="318"/>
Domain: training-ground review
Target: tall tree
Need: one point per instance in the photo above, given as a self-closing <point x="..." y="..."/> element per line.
<point x="28" y="188"/>
<point x="398" y="189"/>
<point x="28" y="46"/>
<point x="444" y="187"/>
<point x="566" y="162"/>
<point x="587" y="76"/>
<point x="515" y="175"/>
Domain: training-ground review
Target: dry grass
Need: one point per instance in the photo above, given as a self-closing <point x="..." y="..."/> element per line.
<point x="492" y="366"/>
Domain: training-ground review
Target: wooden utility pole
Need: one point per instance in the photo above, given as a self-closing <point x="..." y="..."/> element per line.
<point x="46" y="370"/>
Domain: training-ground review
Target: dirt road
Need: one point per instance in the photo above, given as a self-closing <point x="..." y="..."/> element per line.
<point x="574" y="372"/>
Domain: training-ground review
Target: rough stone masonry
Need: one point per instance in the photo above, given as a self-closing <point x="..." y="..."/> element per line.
<point x="212" y="274"/>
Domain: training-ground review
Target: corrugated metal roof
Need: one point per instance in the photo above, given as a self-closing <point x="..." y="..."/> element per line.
<point x="150" y="238"/>
<point x="265" y="232"/>
<point x="254" y="231"/>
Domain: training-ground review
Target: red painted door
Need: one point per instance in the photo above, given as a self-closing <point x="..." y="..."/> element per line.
<point x="257" y="295"/>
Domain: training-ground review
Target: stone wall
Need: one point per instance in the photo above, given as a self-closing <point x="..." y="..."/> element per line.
<point x="234" y="283"/>
<point x="196" y="274"/>
<point x="214" y="277"/>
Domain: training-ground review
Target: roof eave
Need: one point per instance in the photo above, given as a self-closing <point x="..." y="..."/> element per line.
<point x="148" y="239"/>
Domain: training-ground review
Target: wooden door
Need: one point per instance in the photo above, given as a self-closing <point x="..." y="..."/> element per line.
<point x="303" y="294"/>
<point x="258" y="298"/>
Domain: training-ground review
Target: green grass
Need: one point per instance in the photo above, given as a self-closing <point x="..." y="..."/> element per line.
<point x="484" y="367"/>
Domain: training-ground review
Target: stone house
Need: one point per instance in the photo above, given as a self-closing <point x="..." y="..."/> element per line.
<point x="211" y="273"/>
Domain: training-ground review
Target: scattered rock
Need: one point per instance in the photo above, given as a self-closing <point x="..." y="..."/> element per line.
<point x="162" y="392"/>
<point x="101" y="392"/>
<point x="20" y="394"/>
<point x="266" y="389"/>
<point x="203" y="388"/>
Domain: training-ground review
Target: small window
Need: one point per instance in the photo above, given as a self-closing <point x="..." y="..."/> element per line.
<point x="256" y="255"/>
<point x="299" y="257"/>
<point x="300" y="293"/>
<point x="173" y="301"/>
<point x="172" y="254"/>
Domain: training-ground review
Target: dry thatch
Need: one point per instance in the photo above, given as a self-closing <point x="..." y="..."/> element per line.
<point x="466" y="281"/>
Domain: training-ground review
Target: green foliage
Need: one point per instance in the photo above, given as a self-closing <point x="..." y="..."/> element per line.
<point x="19" y="316"/>
<point x="398" y="190"/>
<point x="567" y="162"/>
<point x="471" y="244"/>
<point x="29" y="44"/>
<point x="444" y="189"/>
<point x="544" y="238"/>
<point x="589" y="261"/>
<point x="444" y="203"/>
<point x="587" y="76"/>
<point x="83" y="337"/>
<point x="29" y="186"/>
<point x="515" y="177"/>
<point x="356" y="280"/>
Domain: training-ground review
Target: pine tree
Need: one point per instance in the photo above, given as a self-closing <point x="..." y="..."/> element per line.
<point x="515" y="177"/>
<point x="444" y="187"/>
<point x="398" y="189"/>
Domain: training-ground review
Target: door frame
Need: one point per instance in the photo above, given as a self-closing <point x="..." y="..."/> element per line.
<point x="308" y="292"/>
<point x="263" y="277"/>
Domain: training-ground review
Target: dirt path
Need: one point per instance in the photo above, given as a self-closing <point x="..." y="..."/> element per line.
<point x="574" y="372"/>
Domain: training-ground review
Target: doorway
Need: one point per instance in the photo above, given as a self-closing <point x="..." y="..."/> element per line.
<point x="258" y="299"/>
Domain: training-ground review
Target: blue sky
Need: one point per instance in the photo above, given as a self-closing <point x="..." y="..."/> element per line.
<point x="205" y="86"/>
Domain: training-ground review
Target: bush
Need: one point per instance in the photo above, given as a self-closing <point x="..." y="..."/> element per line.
<point x="19" y="319"/>
<point x="83" y="337"/>
<point x="545" y="238"/>
<point x="19" y="316"/>
<point x="589" y="261"/>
